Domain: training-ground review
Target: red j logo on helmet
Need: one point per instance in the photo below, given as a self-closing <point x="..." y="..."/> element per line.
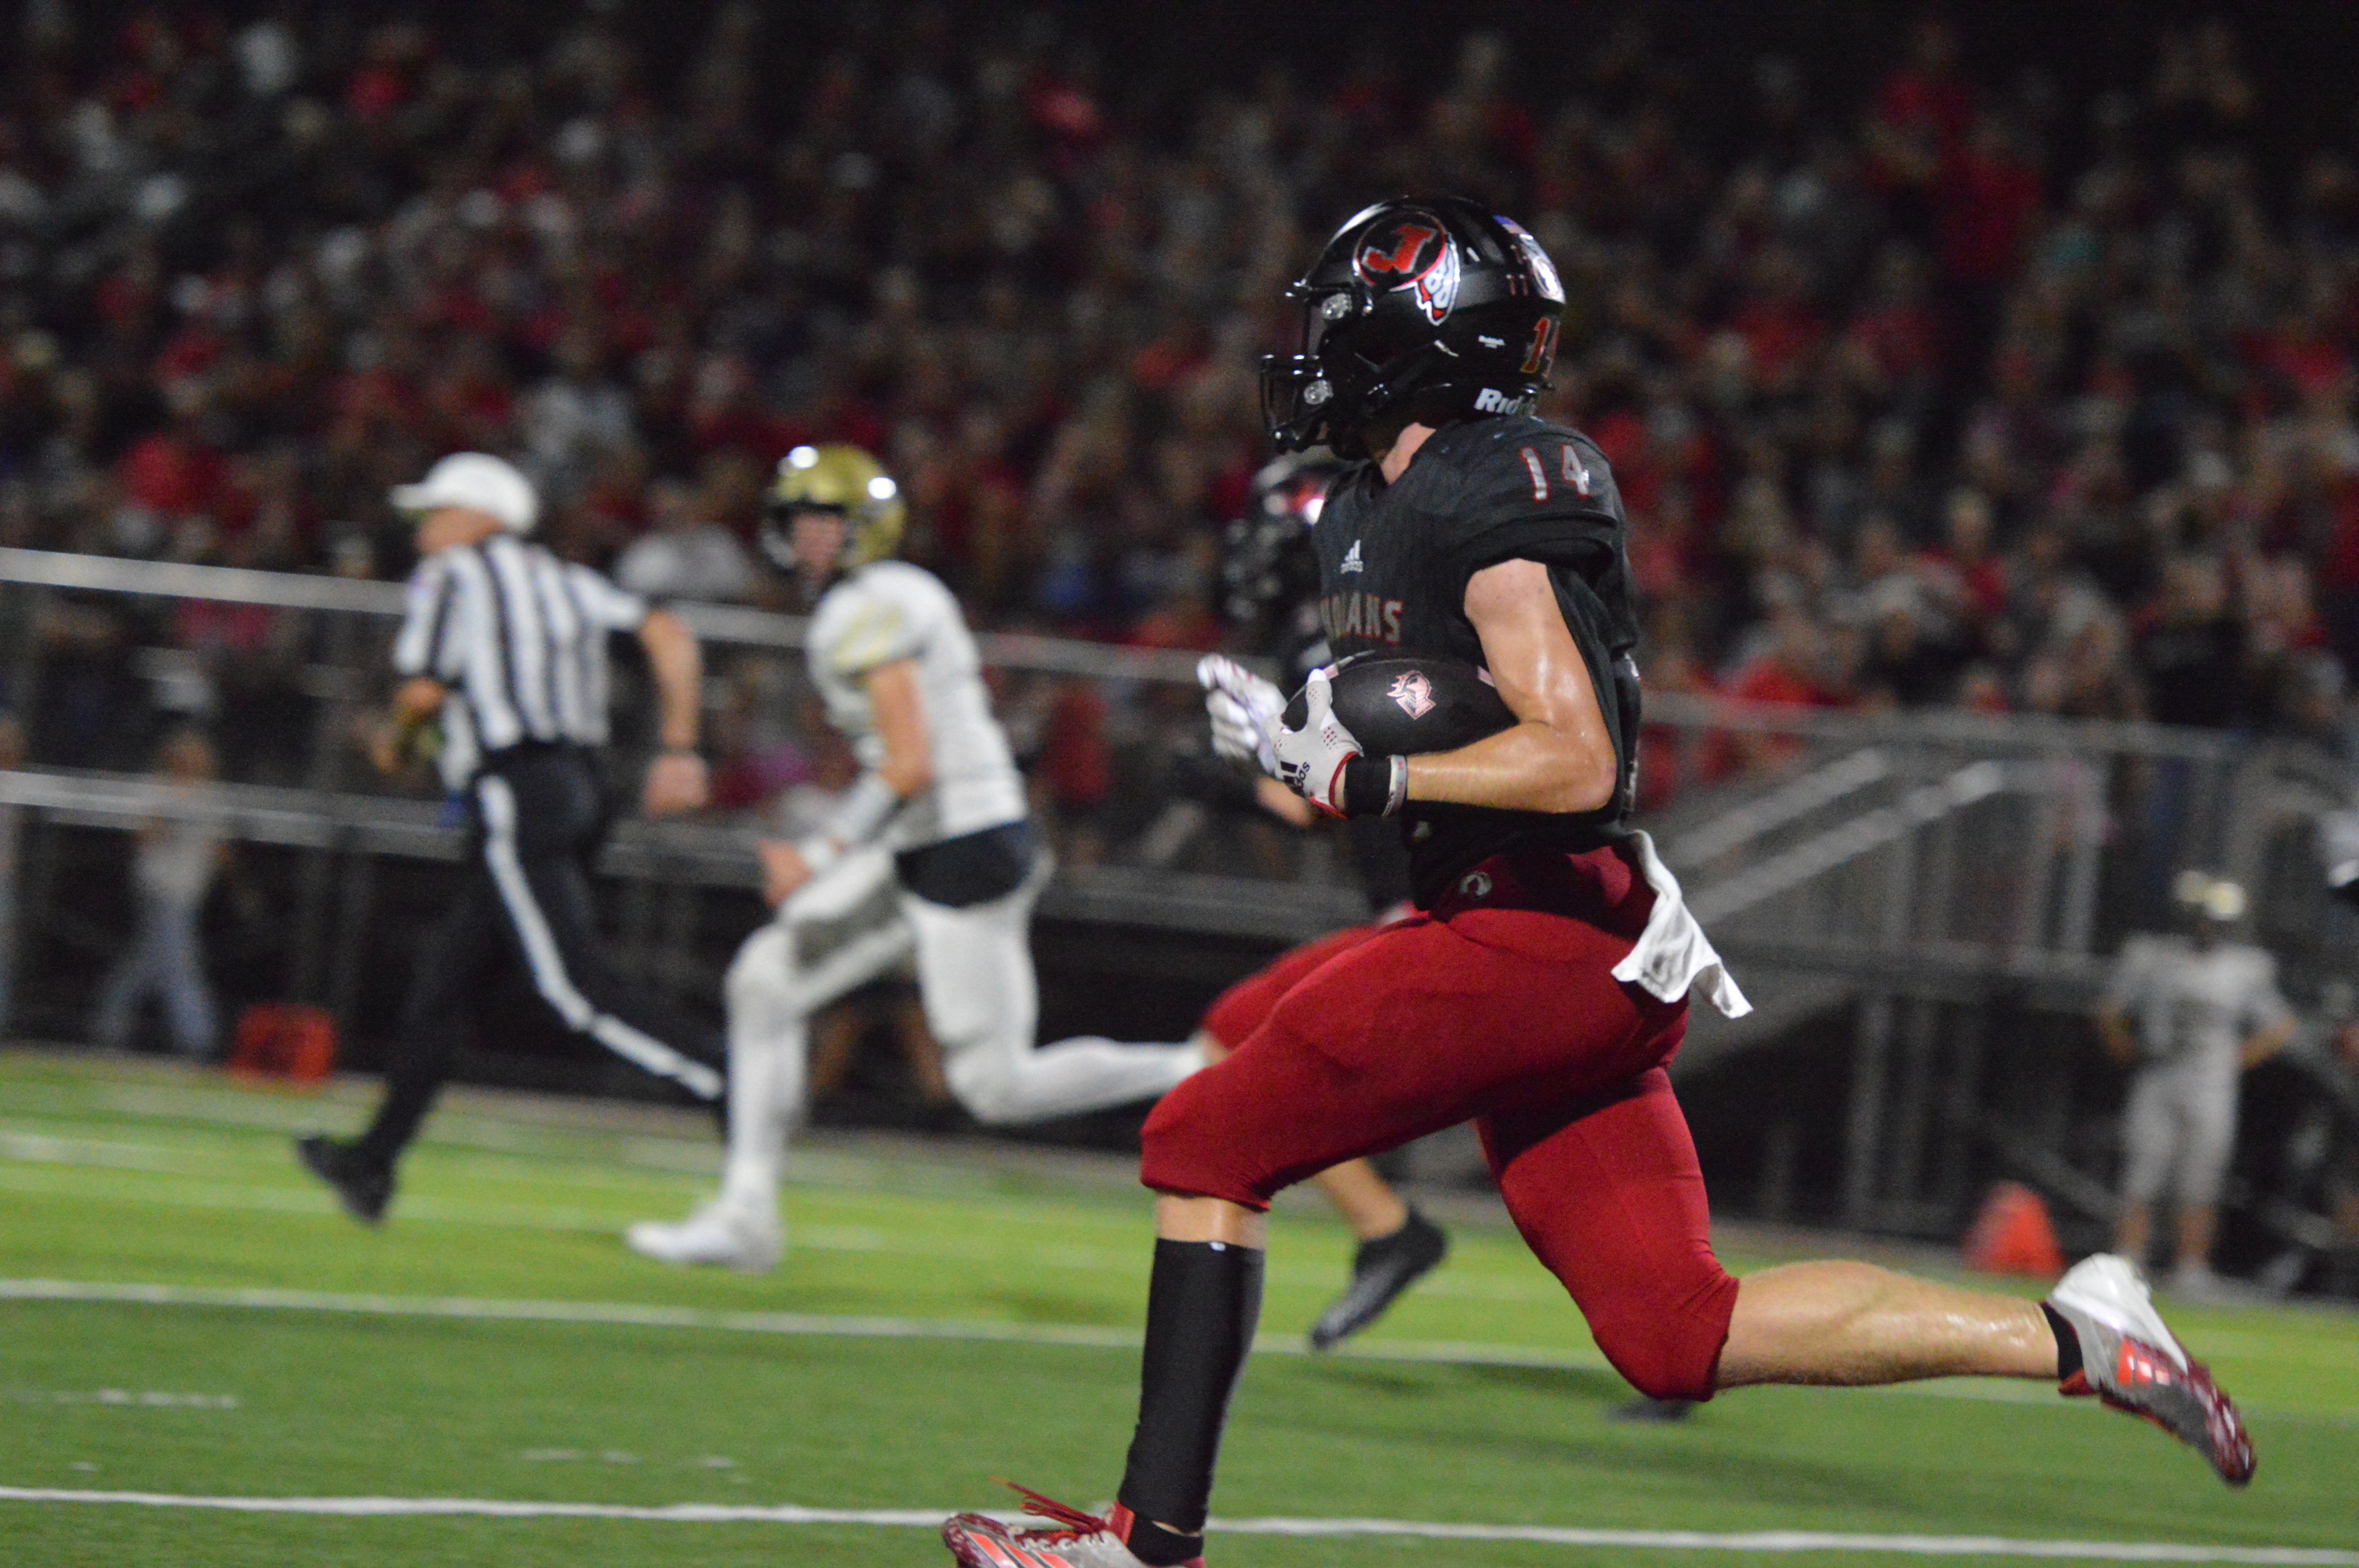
<point x="1408" y="249"/>
<point x="1414" y="256"/>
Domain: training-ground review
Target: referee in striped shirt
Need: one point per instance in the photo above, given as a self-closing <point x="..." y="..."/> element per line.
<point x="507" y="645"/>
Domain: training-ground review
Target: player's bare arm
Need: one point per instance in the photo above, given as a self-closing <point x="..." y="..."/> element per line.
<point x="2266" y="1042"/>
<point x="677" y="781"/>
<point x="907" y="769"/>
<point x="1560" y="755"/>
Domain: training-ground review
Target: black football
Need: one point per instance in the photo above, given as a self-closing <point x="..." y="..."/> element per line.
<point x="1396" y="705"/>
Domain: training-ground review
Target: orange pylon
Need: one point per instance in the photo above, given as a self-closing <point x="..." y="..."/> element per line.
<point x="2013" y="1235"/>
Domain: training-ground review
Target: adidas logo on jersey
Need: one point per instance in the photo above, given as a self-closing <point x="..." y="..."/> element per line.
<point x="1350" y="558"/>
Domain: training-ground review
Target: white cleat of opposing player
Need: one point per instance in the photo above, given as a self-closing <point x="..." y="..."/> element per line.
<point x="719" y="1234"/>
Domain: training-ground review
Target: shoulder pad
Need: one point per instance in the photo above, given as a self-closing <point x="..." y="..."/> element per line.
<point x="1523" y="464"/>
<point x="1520" y="486"/>
<point x="875" y="615"/>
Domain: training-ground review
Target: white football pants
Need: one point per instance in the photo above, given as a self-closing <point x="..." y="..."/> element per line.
<point x="2179" y="1131"/>
<point x="853" y="923"/>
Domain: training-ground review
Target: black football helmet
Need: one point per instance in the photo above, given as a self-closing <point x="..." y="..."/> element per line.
<point x="1423" y="308"/>
<point x="1269" y="567"/>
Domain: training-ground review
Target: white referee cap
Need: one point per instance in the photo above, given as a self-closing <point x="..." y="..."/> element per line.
<point x="478" y="481"/>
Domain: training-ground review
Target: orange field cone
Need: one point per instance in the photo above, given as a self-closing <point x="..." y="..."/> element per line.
<point x="282" y="1040"/>
<point x="2013" y="1235"/>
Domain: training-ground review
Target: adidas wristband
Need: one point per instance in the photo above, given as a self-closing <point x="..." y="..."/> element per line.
<point x="1375" y="787"/>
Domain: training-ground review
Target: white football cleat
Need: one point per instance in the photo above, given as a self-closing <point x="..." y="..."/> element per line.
<point x="2134" y="1363"/>
<point x="719" y="1235"/>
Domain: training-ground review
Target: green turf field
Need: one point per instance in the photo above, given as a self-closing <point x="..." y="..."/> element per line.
<point x="908" y="1350"/>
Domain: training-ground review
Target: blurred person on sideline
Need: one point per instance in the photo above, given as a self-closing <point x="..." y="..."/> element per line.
<point x="172" y="869"/>
<point x="2191" y="1011"/>
<point x="684" y="554"/>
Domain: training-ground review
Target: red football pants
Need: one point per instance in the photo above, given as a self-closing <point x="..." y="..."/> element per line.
<point x="1498" y="1006"/>
<point x="1237" y="1011"/>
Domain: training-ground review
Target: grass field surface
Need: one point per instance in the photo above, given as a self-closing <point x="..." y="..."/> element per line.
<point x="185" y="1318"/>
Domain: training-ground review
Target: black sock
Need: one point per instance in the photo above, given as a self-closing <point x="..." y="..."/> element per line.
<point x="1159" y="1548"/>
<point x="407" y="1100"/>
<point x="1201" y="1306"/>
<point x="2067" y="1343"/>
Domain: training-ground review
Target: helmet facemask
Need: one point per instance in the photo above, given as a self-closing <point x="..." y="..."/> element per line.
<point x="1351" y="372"/>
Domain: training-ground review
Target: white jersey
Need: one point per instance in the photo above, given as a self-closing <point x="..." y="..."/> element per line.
<point x="2195" y="1007"/>
<point x="892" y="611"/>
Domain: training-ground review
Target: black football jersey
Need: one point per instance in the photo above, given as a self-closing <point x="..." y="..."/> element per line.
<point x="1394" y="564"/>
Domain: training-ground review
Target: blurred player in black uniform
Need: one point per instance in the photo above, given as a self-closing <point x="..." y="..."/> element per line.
<point x="1272" y="592"/>
<point x="1542" y="986"/>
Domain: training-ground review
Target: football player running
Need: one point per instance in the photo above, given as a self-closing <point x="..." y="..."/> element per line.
<point x="1541" y="989"/>
<point x="930" y="854"/>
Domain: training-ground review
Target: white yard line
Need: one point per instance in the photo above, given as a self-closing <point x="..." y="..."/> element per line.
<point x="126" y="1398"/>
<point x="1546" y="1535"/>
<point x="44" y="1149"/>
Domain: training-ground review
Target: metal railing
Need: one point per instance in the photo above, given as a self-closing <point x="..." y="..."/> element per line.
<point x="726" y="624"/>
<point x="2012" y="831"/>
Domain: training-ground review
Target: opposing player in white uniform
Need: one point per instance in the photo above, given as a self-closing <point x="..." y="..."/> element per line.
<point x="2193" y="1013"/>
<point x="931" y="853"/>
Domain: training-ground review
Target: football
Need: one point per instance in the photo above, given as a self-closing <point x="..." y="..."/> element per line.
<point x="1396" y="704"/>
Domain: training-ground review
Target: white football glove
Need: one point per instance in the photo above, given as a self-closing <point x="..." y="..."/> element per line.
<point x="1310" y="759"/>
<point x="1244" y="710"/>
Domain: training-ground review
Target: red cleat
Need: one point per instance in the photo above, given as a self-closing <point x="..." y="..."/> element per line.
<point x="1070" y="1539"/>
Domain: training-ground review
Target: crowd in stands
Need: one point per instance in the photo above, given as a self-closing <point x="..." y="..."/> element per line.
<point x="1946" y="391"/>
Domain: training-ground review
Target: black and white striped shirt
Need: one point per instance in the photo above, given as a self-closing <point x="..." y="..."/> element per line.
<point x="520" y="638"/>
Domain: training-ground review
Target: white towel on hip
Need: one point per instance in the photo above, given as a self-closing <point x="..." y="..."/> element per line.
<point x="1673" y="955"/>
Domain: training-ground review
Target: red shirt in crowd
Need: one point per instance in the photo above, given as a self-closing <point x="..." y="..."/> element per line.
<point x="171" y="474"/>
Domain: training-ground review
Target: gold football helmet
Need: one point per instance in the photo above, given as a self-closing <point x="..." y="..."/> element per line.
<point x="839" y="479"/>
